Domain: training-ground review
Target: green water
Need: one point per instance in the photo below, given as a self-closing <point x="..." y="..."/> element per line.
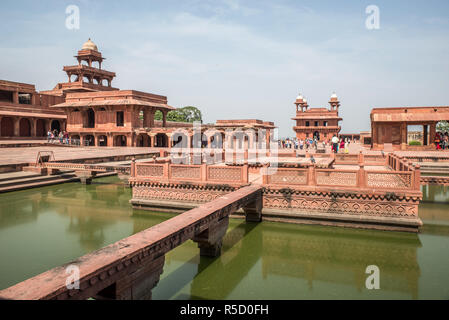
<point x="43" y="228"/>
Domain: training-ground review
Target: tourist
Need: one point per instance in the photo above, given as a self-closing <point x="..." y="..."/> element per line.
<point x="48" y="136"/>
<point x="446" y="141"/>
<point x="334" y="144"/>
<point x="66" y="137"/>
<point x="301" y="144"/>
<point x="437" y="141"/>
<point x="342" y="145"/>
<point x="60" y="136"/>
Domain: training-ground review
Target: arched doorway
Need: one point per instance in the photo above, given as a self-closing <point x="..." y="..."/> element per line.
<point x="120" y="141"/>
<point x="161" y="140"/>
<point x="75" y="140"/>
<point x="316" y="135"/>
<point x="55" y="125"/>
<point x="7" y="127"/>
<point x="24" y="127"/>
<point x="40" y="128"/>
<point x="89" y="140"/>
<point x="90" y="118"/>
<point x="102" y="141"/>
<point x="143" y="140"/>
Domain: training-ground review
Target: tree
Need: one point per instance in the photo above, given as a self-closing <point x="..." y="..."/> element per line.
<point x="191" y="114"/>
<point x="443" y="126"/>
<point x="186" y="114"/>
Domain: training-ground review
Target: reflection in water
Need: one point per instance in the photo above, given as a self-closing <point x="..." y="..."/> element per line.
<point x="45" y="227"/>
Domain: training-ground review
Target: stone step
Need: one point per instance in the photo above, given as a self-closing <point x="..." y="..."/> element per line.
<point x="17" y="175"/>
<point x="34" y="179"/>
<point x="52" y="180"/>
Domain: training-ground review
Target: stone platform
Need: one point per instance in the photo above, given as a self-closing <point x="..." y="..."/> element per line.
<point x="14" y="159"/>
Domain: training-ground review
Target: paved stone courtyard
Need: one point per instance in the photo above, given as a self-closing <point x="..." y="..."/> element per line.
<point x="28" y="154"/>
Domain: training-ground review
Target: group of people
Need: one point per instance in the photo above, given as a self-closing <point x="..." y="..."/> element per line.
<point x="298" y="143"/>
<point x="54" y="136"/>
<point x="340" y="144"/>
<point x="442" y="140"/>
<point x="337" y="144"/>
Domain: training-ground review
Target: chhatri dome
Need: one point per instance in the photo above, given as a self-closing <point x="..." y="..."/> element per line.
<point x="89" y="45"/>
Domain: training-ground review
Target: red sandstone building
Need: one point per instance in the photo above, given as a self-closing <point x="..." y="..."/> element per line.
<point x="111" y="118"/>
<point x="100" y="115"/>
<point x="320" y="123"/>
<point x="25" y="114"/>
<point x="97" y="114"/>
<point x="390" y="126"/>
<point x="85" y="77"/>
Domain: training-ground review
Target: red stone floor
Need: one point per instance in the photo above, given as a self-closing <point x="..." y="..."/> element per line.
<point x="29" y="154"/>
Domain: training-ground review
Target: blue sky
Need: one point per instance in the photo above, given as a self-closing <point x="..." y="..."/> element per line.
<point x="242" y="59"/>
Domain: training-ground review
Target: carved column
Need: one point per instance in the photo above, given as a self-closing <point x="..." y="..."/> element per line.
<point x="210" y="240"/>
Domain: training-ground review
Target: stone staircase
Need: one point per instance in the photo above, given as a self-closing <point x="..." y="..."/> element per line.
<point x="434" y="168"/>
<point x="26" y="180"/>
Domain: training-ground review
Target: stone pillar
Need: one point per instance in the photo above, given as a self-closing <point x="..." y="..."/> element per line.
<point x="403" y="136"/>
<point x="433" y="131"/>
<point x="151" y="118"/>
<point x="152" y="140"/>
<point x="311" y="179"/>
<point x="33" y="123"/>
<point x="210" y="240"/>
<point x="138" y="283"/>
<point x="15" y="97"/>
<point x="164" y="118"/>
<point x="169" y="141"/>
<point x="110" y="137"/>
<point x="16" y="123"/>
<point x="133" y="167"/>
<point x="361" y="177"/>
<point x="146" y="118"/>
<point x="253" y="210"/>
<point x="417" y="177"/>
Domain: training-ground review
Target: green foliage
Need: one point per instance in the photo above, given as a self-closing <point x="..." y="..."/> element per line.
<point x="443" y="126"/>
<point x="186" y="114"/>
<point x="191" y="114"/>
<point x="158" y="115"/>
<point x="414" y="143"/>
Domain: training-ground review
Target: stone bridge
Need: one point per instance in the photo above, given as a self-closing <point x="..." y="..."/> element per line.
<point x="85" y="172"/>
<point x="131" y="268"/>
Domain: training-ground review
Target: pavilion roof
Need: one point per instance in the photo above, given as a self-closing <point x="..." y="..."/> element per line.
<point x="112" y="102"/>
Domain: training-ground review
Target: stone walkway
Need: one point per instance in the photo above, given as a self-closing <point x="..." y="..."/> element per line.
<point x="29" y="154"/>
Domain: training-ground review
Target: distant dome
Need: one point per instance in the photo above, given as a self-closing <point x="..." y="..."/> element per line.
<point x="299" y="97"/>
<point x="89" y="45"/>
<point x="334" y="95"/>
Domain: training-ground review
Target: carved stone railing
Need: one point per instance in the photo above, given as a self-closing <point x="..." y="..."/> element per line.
<point x="189" y="172"/>
<point x="131" y="267"/>
<point x="84" y="167"/>
<point x="406" y="179"/>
